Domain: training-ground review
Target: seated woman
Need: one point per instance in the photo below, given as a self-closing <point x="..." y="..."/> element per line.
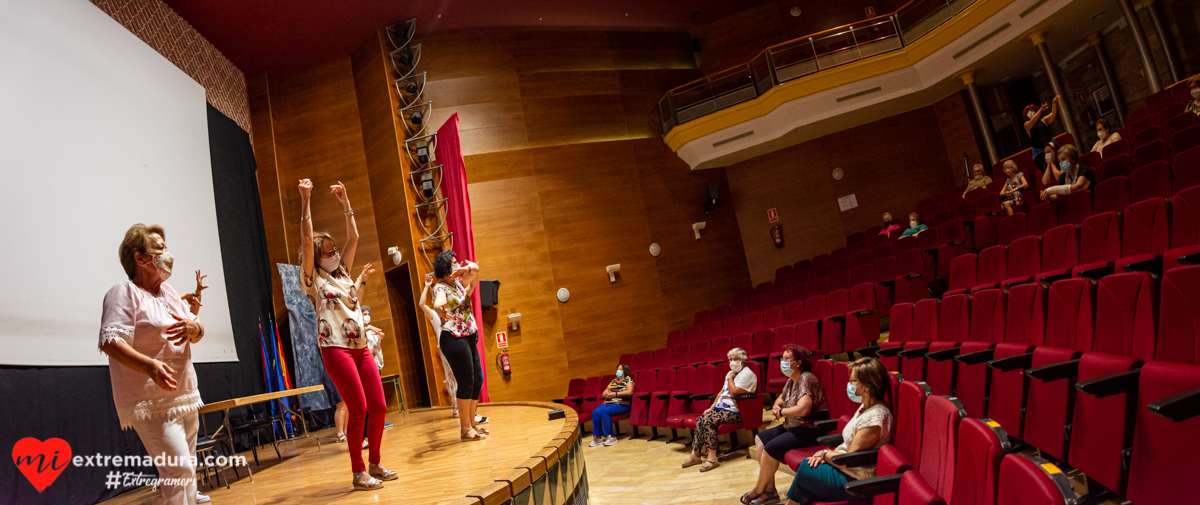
<point x="1010" y="196"/>
<point x="802" y="395"/>
<point x="818" y="478"/>
<point x="978" y="180"/>
<point x="617" y="400"/>
<point x="1107" y="136"/>
<point x="914" y="225"/>
<point x="739" y="381"/>
<point x="888" y="225"/>
<point x="1194" y="105"/>
<point x="1072" y="176"/>
<point x="1050" y="173"/>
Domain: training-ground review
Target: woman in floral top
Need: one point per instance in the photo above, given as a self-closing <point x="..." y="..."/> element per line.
<point x="459" y="338"/>
<point x="341" y="333"/>
<point x="802" y="395"/>
<point x="1010" y="196"/>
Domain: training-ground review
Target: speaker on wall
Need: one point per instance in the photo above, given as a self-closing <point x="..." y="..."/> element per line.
<point x="489" y="292"/>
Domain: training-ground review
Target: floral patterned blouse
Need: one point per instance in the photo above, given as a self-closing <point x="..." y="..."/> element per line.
<point x="794" y="390"/>
<point x="339" y="316"/>
<point x="1011" y="184"/>
<point x="460" y="317"/>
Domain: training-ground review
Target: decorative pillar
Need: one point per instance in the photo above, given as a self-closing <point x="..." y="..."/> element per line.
<point x="1110" y="78"/>
<point x="982" y="116"/>
<point x="1139" y="39"/>
<point x="1038" y="39"/>
<point x="1164" y="38"/>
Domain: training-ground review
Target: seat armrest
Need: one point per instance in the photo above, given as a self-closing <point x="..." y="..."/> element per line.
<point x="591" y="398"/>
<point x="857" y="313"/>
<point x="1011" y="363"/>
<point x="1189" y="259"/>
<point x="663" y="397"/>
<point x="838" y="318"/>
<point x="827" y="425"/>
<point x="889" y="352"/>
<point x="918" y="352"/>
<point x="559" y="400"/>
<point x="1096" y="273"/>
<point x="959" y="242"/>
<point x="830" y="440"/>
<point x="643" y="396"/>
<point x="760" y="359"/>
<point x="867" y="488"/>
<point x="703" y="397"/>
<point x="886" y="283"/>
<point x="819" y="416"/>
<point x="975" y="358"/>
<point x="943" y="354"/>
<point x="913" y="275"/>
<point x="1049" y="279"/>
<point x="858" y="458"/>
<point x="1150" y="265"/>
<point x="684" y="396"/>
<point x="1180" y="407"/>
<point x="1017" y="283"/>
<point x="868" y="351"/>
<point x="1056" y="371"/>
<point x="1111" y="384"/>
<point x="744" y="396"/>
<point x="777" y="357"/>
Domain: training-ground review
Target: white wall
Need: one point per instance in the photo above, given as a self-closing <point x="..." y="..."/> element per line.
<point x="97" y="132"/>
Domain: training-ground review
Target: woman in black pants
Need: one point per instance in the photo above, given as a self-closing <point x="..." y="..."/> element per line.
<point x="452" y="301"/>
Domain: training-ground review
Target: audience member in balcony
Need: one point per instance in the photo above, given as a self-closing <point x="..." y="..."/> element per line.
<point x="914" y="225"/>
<point x="1194" y="105"/>
<point x="1037" y="126"/>
<point x="978" y="180"/>
<point x="1071" y="175"/>
<point x="802" y="395"/>
<point x="618" y="398"/>
<point x="1107" y="136"/>
<point x="1010" y="195"/>
<point x="739" y="381"/>
<point x="888" y="225"/>
<point x="818" y="478"/>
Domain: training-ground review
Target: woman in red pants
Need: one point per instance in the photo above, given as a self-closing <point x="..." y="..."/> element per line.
<point x="342" y="334"/>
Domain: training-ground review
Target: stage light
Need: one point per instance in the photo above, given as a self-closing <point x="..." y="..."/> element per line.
<point x="714" y="198"/>
<point x="416" y="118"/>
<point x="423" y="154"/>
<point x="411" y="87"/>
<point x="400" y="34"/>
<point x="427" y="184"/>
<point x="406" y="58"/>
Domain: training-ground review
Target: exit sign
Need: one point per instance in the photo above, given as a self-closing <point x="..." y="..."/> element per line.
<point x="501" y="340"/>
<point x="772" y="216"/>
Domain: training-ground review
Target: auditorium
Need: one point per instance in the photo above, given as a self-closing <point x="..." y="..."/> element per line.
<point x="801" y="252"/>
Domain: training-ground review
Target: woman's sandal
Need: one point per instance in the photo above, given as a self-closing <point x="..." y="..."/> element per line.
<point x="762" y="498"/>
<point x="370" y="485"/>
<point x="469" y="435"/>
<point x="709" y="465"/>
<point x="692" y="461"/>
<point x="381" y="473"/>
<point x="482" y="430"/>
<point x="341" y="438"/>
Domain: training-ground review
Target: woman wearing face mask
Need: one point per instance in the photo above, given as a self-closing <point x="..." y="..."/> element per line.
<point x="801" y="396"/>
<point x="888" y="225"/>
<point x="326" y="275"/>
<point x="459" y="338"/>
<point x="1194" y="105"/>
<point x="436" y="322"/>
<point x="978" y="180"/>
<point x="1010" y="196"/>
<point x="1107" y="136"/>
<point x="739" y="381"/>
<point x="914" y="225"/>
<point x="147" y="333"/>
<point x="1037" y="126"/>
<point x="617" y="397"/>
<point x="819" y="479"/>
<point x="1072" y="175"/>
<point x="374" y="343"/>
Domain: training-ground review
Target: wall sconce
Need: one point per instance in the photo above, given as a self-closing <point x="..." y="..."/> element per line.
<point x="696" y="227"/>
<point x="612" y="272"/>
<point x="394" y="252"/>
<point x="514" y="321"/>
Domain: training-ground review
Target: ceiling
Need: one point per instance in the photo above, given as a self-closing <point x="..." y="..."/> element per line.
<point x="281" y="36"/>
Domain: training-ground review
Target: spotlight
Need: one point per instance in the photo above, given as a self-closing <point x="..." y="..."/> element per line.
<point x="714" y="198"/>
<point x="427" y="184"/>
<point x="411" y="87"/>
<point x="400" y="34"/>
<point x="423" y="154"/>
<point x="420" y="149"/>
<point x="416" y="118"/>
<point x="406" y="57"/>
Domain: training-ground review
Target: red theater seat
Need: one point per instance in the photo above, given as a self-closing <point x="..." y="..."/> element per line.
<point x="1111" y="195"/>
<point x="1028" y="480"/>
<point x="1166" y="435"/>
<point x="1099" y="245"/>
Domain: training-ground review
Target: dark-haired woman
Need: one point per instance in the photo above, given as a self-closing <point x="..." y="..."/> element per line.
<point x="459" y="337"/>
<point x="341" y="333"/>
<point x="1107" y="136"/>
<point x="618" y="397"/>
<point x="1037" y="126"/>
<point x="802" y="395"/>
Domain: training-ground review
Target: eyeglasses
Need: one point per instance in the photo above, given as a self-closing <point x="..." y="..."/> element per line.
<point x="330" y="253"/>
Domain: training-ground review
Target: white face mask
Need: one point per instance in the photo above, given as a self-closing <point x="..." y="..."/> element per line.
<point x="786" y="368"/>
<point x="331" y="263"/>
<point x="913" y="224"/>
<point x="366" y="319"/>
<point x="1103" y="134"/>
<point x="852" y="392"/>
<point x="1196" y="93"/>
<point x="1029" y="115"/>
<point x="736" y="366"/>
<point x="164" y="262"/>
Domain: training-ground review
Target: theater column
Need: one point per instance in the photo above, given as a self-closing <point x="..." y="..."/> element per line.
<point x="1164" y="37"/>
<point x="982" y="116"/>
<point x="1110" y="78"/>
<point x="1038" y="39"/>
<point x="1139" y="39"/>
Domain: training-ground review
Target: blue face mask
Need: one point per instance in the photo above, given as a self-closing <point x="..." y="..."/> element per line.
<point x="1064" y="165"/>
<point x="786" y="368"/>
<point x="851" y="389"/>
<point x="620" y="373"/>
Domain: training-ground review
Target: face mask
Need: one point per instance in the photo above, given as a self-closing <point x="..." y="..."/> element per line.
<point x="164" y="262"/>
<point x="331" y="263"/>
<point x="1064" y="165"/>
<point x="851" y="389"/>
<point x="1196" y="93"/>
<point x="366" y="319"/>
<point x="1103" y="134"/>
<point x="1029" y="115"/>
<point x="912" y="224"/>
<point x="887" y="223"/>
<point x="736" y="366"/>
<point x="786" y="368"/>
<point x="620" y="373"/>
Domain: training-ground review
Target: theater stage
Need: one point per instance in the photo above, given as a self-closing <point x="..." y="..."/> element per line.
<point x="424" y="449"/>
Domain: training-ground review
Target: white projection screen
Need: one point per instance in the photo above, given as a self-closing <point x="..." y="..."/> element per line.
<point x="97" y="132"/>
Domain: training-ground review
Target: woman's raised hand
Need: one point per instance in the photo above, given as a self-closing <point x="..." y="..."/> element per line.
<point x="339" y="190"/>
<point x="305" y="189"/>
<point x="366" y="272"/>
<point x="428" y="280"/>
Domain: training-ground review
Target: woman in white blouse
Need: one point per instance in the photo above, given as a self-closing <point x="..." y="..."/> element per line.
<point x="147" y="332"/>
<point x="818" y="478"/>
<point x="740" y="380"/>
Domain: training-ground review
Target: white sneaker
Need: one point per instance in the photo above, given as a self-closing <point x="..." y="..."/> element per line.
<point x="202" y="498"/>
<point x="610" y="441"/>
<point x="480" y="419"/>
<point x="595" y="442"/>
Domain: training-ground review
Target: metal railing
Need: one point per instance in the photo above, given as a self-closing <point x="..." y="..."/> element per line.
<point x="804" y="56"/>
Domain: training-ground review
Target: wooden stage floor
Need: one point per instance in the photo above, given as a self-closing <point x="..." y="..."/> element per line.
<point x="422" y="446"/>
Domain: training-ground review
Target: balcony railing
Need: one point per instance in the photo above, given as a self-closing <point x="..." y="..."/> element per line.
<point x="797" y="58"/>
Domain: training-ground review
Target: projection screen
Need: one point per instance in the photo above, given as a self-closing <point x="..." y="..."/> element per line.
<point x="97" y="132"/>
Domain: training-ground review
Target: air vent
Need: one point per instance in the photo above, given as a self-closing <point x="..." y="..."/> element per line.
<point x="1032" y="7"/>
<point x="733" y="138"/>
<point x="860" y="93"/>
<point x="985" y="38"/>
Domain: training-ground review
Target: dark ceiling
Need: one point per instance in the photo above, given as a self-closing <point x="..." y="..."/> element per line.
<point x="282" y="36"/>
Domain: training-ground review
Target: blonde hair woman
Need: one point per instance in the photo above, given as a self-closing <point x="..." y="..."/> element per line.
<point x="739" y="381"/>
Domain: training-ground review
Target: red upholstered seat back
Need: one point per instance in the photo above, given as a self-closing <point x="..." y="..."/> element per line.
<point x="1127" y="315"/>
<point x="1162" y="469"/>
<point x="962" y="271"/>
<point x="1100" y="427"/>
<point x="1111" y="194"/>
<point x="925" y="320"/>
<point x="890" y="462"/>
<point x="798" y="292"/>
<point x="814" y="308"/>
<point x="1012" y="227"/>
<point x="1042" y="217"/>
<point x="1024" y="257"/>
<point x="752" y="322"/>
<point x="837" y="302"/>
<point x="1025" y="482"/>
<point x="980" y="450"/>
<point x="914" y="490"/>
<point x="1060" y="248"/>
<point x="1025" y="317"/>
<point x="1185" y="218"/>
<point x="909" y="415"/>
<point x="712" y="330"/>
<point x="1100" y="238"/>
<point x="839" y="403"/>
<point x="1150" y="181"/>
<point x="939" y="444"/>
<point x="1076" y="208"/>
<point x="987" y="316"/>
<point x="991" y="265"/>
<point x="778" y="297"/>
<point x="773" y="317"/>
<point x="759" y="302"/>
<point x="793" y="312"/>
<point x="1179" y="320"/>
<point x="1146" y="228"/>
<point x="721" y="312"/>
<point x="954" y="321"/>
<point x="862" y="297"/>
<point x="1071" y="315"/>
<point x="901" y="326"/>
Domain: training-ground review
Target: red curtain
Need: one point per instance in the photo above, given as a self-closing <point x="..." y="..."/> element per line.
<point x="458" y="215"/>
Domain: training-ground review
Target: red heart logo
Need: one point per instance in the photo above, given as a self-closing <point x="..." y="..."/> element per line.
<point x="41" y="462"/>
